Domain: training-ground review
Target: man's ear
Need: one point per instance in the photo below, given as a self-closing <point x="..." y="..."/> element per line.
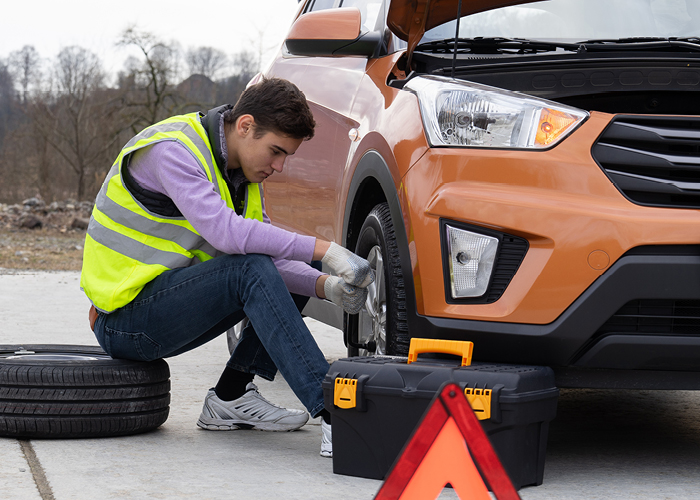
<point x="244" y="125"/>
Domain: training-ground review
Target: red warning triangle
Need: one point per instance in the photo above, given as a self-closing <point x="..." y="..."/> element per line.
<point x="447" y="447"/>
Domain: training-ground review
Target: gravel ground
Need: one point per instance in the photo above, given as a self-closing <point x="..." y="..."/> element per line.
<point x="41" y="249"/>
<point x="36" y="236"/>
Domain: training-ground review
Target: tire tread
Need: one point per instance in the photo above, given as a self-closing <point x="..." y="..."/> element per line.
<point x="80" y="398"/>
<point x="378" y="225"/>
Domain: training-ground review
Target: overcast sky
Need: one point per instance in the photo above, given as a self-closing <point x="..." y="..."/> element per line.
<point x="228" y="25"/>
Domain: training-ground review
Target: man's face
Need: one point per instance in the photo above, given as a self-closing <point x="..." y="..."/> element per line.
<point x="260" y="157"/>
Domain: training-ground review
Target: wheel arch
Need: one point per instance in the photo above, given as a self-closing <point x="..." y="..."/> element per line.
<point x="372" y="183"/>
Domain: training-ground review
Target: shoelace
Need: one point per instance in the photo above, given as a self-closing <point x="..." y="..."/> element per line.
<point x="255" y="389"/>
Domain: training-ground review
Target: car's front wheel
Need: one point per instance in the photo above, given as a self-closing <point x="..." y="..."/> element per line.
<point x="380" y="327"/>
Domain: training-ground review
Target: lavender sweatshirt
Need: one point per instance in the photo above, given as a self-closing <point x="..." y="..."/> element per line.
<point x="170" y="169"/>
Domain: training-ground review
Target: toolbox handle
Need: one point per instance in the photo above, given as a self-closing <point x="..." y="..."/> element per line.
<point x="461" y="348"/>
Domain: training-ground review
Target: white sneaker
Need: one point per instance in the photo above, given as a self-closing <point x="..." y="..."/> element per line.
<point x="250" y="411"/>
<point x="326" y="440"/>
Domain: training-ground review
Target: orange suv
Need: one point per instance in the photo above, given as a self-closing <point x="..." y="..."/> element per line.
<point x="525" y="175"/>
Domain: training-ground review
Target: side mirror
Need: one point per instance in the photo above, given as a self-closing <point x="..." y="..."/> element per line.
<point x="331" y="32"/>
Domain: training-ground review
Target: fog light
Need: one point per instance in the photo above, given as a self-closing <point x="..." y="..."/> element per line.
<point x="471" y="257"/>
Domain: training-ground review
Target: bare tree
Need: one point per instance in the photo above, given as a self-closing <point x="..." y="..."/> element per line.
<point x="6" y="110"/>
<point x="26" y="68"/>
<point x="259" y="49"/>
<point x="246" y="63"/>
<point x="77" y="73"/>
<point x="6" y="99"/>
<point x="76" y="119"/>
<point x="245" y="67"/>
<point x="63" y="127"/>
<point x="151" y="78"/>
<point x="206" y="61"/>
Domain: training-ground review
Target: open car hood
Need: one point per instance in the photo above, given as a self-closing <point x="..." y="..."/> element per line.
<point x="409" y="19"/>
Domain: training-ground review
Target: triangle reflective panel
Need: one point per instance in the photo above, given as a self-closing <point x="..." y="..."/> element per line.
<point x="449" y="446"/>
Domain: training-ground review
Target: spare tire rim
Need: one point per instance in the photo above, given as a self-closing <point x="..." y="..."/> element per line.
<point x="54" y="357"/>
<point x="24" y="354"/>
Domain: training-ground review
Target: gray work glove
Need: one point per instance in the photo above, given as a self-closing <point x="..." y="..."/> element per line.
<point x="353" y="269"/>
<point x="350" y="298"/>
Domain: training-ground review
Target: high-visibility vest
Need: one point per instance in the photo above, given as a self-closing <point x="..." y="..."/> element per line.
<point x="127" y="245"/>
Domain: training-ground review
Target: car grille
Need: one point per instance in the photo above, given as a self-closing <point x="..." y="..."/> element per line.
<point x="655" y="317"/>
<point x="653" y="161"/>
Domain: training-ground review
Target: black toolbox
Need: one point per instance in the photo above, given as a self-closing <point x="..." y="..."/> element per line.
<point x="376" y="403"/>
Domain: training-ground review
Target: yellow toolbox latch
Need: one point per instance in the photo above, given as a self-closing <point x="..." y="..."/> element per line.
<point x="480" y="401"/>
<point x="345" y="393"/>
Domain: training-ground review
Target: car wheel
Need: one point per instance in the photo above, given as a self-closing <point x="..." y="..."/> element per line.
<point x="233" y="334"/>
<point x="70" y="391"/>
<point x="381" y="325"/>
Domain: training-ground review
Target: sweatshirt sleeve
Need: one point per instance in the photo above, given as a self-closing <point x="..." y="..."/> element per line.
<point x="299" y="277"/>
<point x="169" y="168"/>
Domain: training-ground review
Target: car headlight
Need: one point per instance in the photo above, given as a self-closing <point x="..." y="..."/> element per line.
<point x="471" y="258"/>
<point x="459" y="113"/>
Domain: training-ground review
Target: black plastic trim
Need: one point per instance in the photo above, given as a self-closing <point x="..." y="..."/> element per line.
<point x="654" y="317"/>
<point x="665" y="250"/>
<point x="364" y="45"/>
<point x="574" y="377"/>
<point x="644" y="352"/>
<point x="652" y="160"/>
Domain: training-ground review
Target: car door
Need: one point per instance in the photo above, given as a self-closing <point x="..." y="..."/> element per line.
<point x="309" y="200"/>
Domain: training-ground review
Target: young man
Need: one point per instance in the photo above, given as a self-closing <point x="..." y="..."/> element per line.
<point x="179" y="249"/>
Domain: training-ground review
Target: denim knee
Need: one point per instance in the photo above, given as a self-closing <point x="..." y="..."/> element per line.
<point x="261" y="264"/>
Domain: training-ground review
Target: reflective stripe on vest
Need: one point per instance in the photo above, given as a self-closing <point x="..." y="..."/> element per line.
<point x="127" y="245"/>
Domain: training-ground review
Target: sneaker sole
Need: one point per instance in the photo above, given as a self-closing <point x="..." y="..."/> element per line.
<point x="232" y="425"/>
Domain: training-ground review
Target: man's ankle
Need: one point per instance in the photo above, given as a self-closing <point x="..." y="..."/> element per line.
<point x="232" y="384"/>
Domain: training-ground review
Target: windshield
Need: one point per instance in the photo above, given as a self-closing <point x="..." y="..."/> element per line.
<point x="580" y="20"/>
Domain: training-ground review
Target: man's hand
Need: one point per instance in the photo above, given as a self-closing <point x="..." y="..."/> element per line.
<point x="353" y="269"/>
<point x="350" y="298"/>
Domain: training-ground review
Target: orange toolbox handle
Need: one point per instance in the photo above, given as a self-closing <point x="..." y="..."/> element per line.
<point x="461" y="348"/>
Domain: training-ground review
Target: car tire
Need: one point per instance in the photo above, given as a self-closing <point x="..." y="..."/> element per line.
<point x="71" y="391"/>
<point x="383" y="318"/>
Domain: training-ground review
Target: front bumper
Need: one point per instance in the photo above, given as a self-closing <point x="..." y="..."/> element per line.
<point x="583" y="337"/>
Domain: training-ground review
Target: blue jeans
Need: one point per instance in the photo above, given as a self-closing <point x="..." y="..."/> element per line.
<point x="184" y="308"/>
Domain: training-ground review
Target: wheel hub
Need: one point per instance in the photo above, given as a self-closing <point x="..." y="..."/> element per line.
<point x="372" y="324"/>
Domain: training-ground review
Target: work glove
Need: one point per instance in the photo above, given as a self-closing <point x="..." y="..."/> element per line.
<point x="350" y="298"/>
<point x="353" y="269"/>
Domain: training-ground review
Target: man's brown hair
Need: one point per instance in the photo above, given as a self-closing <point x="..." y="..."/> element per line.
<point x="277" y="105"/>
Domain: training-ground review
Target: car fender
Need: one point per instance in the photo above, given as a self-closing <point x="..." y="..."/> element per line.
<point x="372" y="169"/>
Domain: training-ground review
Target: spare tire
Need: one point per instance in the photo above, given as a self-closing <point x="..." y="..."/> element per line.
<point x="72" y="391"/>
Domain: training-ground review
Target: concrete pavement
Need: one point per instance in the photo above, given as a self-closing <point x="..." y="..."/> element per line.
<point x="178" y="460"/>
<point x="620" y="445"/>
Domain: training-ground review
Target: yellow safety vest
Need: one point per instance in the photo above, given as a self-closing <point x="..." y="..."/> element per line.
<point x="127" y="245"/>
